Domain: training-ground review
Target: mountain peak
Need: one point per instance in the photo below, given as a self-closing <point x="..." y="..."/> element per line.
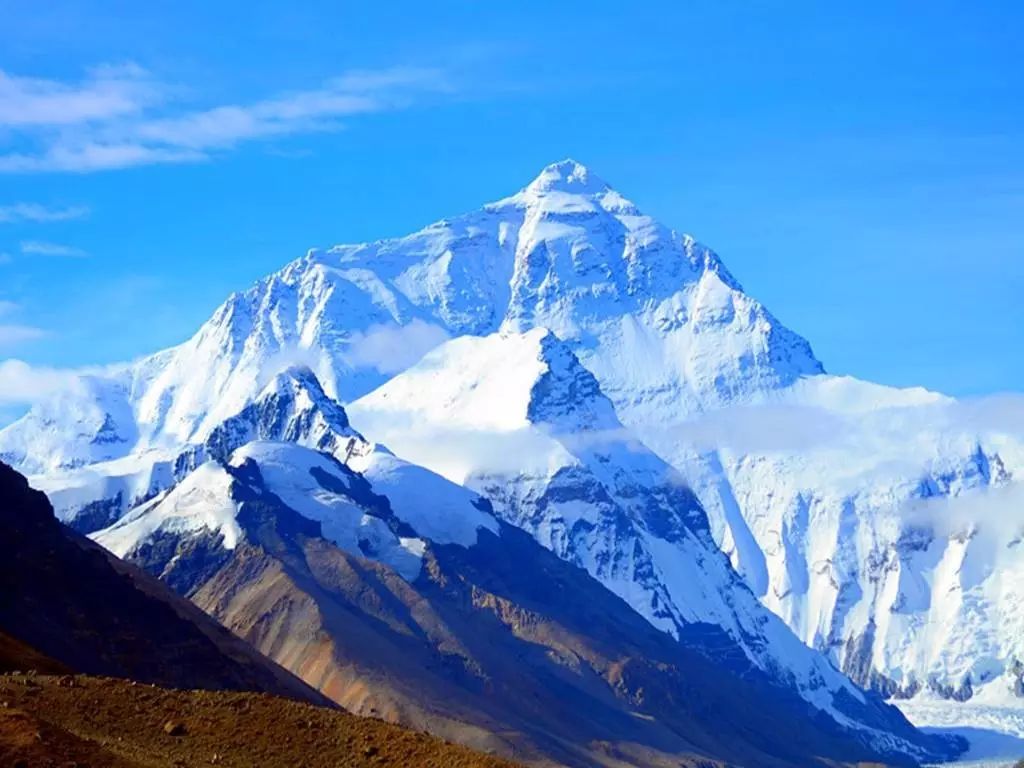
<point x="293" y="408"/>
<point x="534" y="374"/>
<point x="294" y="377"/>
<point x="567" y="176"/>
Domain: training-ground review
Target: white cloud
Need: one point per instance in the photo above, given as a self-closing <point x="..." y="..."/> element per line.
<point x="599" y="440"/>
<point x="1003" y="413"/>
<point x="229" y="125"/>
<point x="40" y="213"/>
<point x="392" y="348"/>
<point x="293" y="356"/>
<point x="756" y="428"/>
<point x="14" y="334"/>
<point x="118" y="117"/>
<point x="43" y="248"/>
<point x="107" y="92"/>
<point x="995" y="514"/>
<point x="805" y="427"/>
<point x="298" y="112"/>
<point x="457" y="452"/>
<point x="24" y="384"/>
<point x="95" y="157"/>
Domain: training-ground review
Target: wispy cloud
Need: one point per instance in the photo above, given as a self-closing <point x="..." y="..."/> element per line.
<point x="992" y="511"/>
<point x="393" y="348"/>
<point x="43" y="248"/>
<point x="83" y="158"/>
<point x="801" y="426"/>
<point x="106" y="92"/>
<point x="24" y="384"/>
<point x="119" y="117"/>
<point x="40" y="213"/>
<point x="13" y="334"/>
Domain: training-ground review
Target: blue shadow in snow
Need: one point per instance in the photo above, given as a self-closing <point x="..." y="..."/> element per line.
<point x="1002" y="749"/>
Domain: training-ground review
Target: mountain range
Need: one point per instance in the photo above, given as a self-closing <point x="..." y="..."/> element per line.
<point x="602" y="457"/>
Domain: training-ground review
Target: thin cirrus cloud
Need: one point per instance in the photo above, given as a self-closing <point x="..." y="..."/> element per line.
<point x="107" y="92"/>
<point x="33" y="212"/>
<point x="44" y="248"/>
<point x="119" y="117"/>
<point x="13" y="334"/>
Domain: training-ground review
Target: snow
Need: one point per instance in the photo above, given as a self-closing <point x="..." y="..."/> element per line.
<point x="485" y="410"/>
<point x="513" y="367"/>
<point x="290" y="473"/>
<point x="566" y="253"/>
<point x="201" y="501"/>
<point x="995" y="734"/>
<point x="873" y="516"/>
<point x="133" y="477"/>
<point x="205" y="500"/>
<point x="320" y="488"/>
<point x="437" y="509"/>
<point x="89" y="421"/>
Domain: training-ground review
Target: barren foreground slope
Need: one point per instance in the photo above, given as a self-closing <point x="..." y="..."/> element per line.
<point x="107" y="723"/>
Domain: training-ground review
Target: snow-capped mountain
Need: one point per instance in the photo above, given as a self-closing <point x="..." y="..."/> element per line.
<point x="887" y="535"/>
<point x="291" y="407"/>
<point x="203" y="510"/>
<point x="657" y="318"/>
<point x="556" y="461"/>
<point x="216" y="533"/>
<point x="821" y="513"/>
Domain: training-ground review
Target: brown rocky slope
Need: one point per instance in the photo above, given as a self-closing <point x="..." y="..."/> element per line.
<point x="72" y="602"/>
<point x="108" y="723"/>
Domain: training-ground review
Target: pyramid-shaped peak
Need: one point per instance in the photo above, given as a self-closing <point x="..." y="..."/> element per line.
<point x="297" y="372"/>
<point x="566" y="396"/>
<point x="533" y="375"/>
<point x="297" y="386"/>
<point x="291" y="407"/>
<point x="294" y="378"/>
<point x="568" y="176"/>
<point x="567" y="187"/>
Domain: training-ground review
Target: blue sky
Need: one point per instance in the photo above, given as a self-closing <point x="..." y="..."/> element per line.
<point x="860" y="169"/>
